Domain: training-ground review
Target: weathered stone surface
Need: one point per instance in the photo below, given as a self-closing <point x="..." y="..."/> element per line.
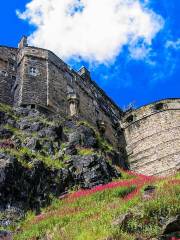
<point x="10" y="215"/>
<point x="2" y="116"/>
<point x="122" y="220"/>
<point x="36" y="126"/>
<point x="83" y="136"/>
<point x="91" y="170"/>
<point x="172" y="225"/>
<point x="33" y="144"/>
<point x="153" y="145"/>
<point x="70" y="150"/>
<point x="5" y="133"/>
<point x="5" y="235"/>
<point x="30" y="187"/>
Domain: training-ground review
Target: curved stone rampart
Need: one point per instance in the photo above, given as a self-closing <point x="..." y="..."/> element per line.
<point x="152" y="135"/>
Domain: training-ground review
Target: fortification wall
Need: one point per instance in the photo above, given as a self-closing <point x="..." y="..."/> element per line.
<point x="95" y="107"/>
<point x="44" y="79"/>
<point x="7" y="73"/>
<point x="152" y="135"/>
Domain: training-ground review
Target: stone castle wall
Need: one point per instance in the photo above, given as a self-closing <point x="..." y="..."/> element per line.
<point x="43" y="79"/>
<point x="152" y="135"/>
<point x="31" y="76"/>
<point x="7" y="73"/>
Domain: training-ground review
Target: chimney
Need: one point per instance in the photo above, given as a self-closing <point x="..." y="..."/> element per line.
<point x="23" y="42"/>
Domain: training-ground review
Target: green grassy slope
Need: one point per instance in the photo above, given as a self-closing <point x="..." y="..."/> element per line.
<point x="89" y="215"/>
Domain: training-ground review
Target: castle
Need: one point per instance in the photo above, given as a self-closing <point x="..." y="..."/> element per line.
<point x="148" y="137"/>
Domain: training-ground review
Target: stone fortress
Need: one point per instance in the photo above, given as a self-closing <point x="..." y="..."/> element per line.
<point x="148" y="137"/>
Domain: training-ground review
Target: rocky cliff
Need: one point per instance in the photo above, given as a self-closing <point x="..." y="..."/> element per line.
<point x="42" y="156"/>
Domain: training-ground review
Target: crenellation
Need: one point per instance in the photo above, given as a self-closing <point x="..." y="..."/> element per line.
<point x="147" y="137"/>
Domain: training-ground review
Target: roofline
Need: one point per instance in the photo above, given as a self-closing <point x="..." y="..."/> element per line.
<point x="156" y="101"/>
<point x="5" y="46"/>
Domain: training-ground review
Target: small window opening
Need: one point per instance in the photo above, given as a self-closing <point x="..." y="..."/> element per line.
<point x="33" y="71"/>
<point x="3" y="73"/>
<point x="33" y="106"/>
<point x="159" y="106"/>
<point x="130" y="119"/>
<point x="13" y="56"/>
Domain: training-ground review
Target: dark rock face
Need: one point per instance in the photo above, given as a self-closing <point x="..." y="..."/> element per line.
<point x="83" y="136"/>
<point x="91" y="170"/>
<point x="33" y="144"/>
<point x="26" y="180"/>
<point x="5" y="235"/>
<point x="5" y="133"/>
<point x="2" y="116"/>
<point x="30" y="187"/>
<point x="171" y="229"/>
<point x="10" y="215"/>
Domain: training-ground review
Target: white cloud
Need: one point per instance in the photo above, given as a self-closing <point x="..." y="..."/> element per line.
<point x="95" y="30"/>
<point x="173" y="44"/>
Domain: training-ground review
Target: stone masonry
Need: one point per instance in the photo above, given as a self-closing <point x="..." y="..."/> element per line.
<point x="36" y="78"/>
<point x="152" y="134"/>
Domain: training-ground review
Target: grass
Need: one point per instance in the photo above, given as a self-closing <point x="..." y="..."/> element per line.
<point x="24" y="153"/>
<point x="89" y="214"/>
<point x="85" y="151"/>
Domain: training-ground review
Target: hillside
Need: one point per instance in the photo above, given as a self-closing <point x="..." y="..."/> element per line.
<point x="57" y="181"/>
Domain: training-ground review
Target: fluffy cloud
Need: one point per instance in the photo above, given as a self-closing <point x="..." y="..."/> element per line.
<point x="95" y="30"/>
<point x="173" y="44"/>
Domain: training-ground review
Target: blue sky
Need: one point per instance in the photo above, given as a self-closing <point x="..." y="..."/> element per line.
<point x="132" y="71"/>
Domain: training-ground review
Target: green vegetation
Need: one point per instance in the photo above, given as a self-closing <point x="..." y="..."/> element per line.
<point x="91" y="216"/>
<point x="27" y="158"/>
<point x="7" y="109"/>
<point x="102" y="143"/>
<point x="85" y="151"/>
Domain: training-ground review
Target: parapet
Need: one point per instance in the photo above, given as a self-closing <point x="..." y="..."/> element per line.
<point x="135" y="115"/>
